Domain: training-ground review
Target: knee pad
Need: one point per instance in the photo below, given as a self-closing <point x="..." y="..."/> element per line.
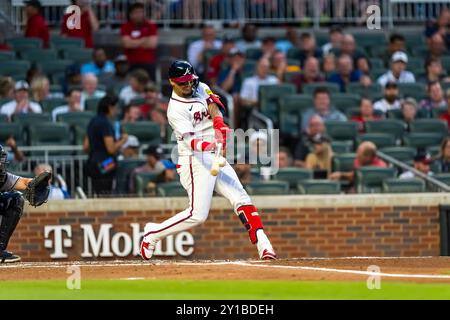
<point x="11" y="207"/>
<point x="250" y="218"/>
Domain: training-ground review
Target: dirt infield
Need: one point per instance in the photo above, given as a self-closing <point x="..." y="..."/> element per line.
<point x="411" y="269"/>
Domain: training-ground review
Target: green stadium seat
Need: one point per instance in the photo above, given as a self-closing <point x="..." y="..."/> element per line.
<point x="443" y="177"/>
<point x="394" y="114"/>
<point x="293" y="53"/>
<point x="343" y="162"/>
<point x="403" y="185"/>
<point x="65" y="43"/>
<point x="345" y="101"/>
<point x="26" y="119"/>
<point x="342" y="146"/>
<point x="19" y="44"/>
<point x="124" y="168"/>
<point x="391" y="126"/>
<point x="80" y="119"/>
<point x="142" y="180"/>
<point x="78" y="55"/>
<point x="437" y="112"/>
<point x="52" y="67"/>
<point x="375" y="73"/>
<point x="381" y="140"/>
<point x="290" y="111"/>
<point x="37" y="55"/>
<point x="170" y="189"/>
<point x="404" y="154"/>
<point x="376" y="63"/>
<point x="78" y="134"/>
<point x="374" y="90"/>
<point x="422" y="140"/>
<point x="370" y="179"/>
<point x="342" y="130"/>
<point x="253" y="53"/>
<point x="269" y="96"/>
<point x="7" y="55"/>
<point x="415" y="63"/>
<point x="319" y="187"/>
<point x="434" y="150"/>
<point x="368" y="39"/>
<point x="11" y="129"/>
<point x="272" y="187"/>
<point x="415" y="90"/>
<point x="301" y="102"/>
<point x="414" y="39"/>
<point x="293" y="175"/>
<point x="48" y="134"/>
<point x="309" y="88"/>
<point x="3" y="118"/>
<point x="430" y="126"/>
<point x="290" y="76"/>
<point x="14" y="67"/>
<point x="147" y="132"/>
<point x="49" y="104"/>
<point x="419" y="51"/>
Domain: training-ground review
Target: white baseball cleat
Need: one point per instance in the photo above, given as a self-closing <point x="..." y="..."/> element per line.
<point x="265" y="249"/>
<point x="148" y="245"/>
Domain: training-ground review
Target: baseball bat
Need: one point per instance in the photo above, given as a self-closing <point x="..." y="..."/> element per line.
<point x="215" y="168"/>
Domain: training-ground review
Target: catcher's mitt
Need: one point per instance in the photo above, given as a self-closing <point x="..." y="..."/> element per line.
<point x="38" y="189"/>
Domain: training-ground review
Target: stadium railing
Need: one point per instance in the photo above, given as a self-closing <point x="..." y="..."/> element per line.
<point x="312" y="12"/>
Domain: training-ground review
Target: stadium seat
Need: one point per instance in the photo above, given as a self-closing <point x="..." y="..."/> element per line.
<point x="415" y="63"/>
<point x="48" y="134"/>
<point x="376" y="63"/>
<point x="422" y="140"/>
<point x="14" y="67"/>
<point x="293" y="175"/>
<point x="443" y="177"/>
<point x="90" y="104"/>
<point x="404" y="154"/>
<point x="375" y="73"/>
<point x="19" y="44"/>
<point x="342" y="146"/>
<point x="310" y="87"/>
<point x="64" y="43"/>
<point x="434" y="150"/>
<point x="430" y="126"/>
<point x="391" y="126"/>
<point x="381" y="140"/>
<point x="272" y="187"/>
<point x="26" y="119"/>
<point x="342" y="130"/>
<point x="370" y="179"/>
<point x="7" y="55"/>
<point x="302" y="102"/>
<point x="419" y="51"/>
<point x="3" y="118"/>
<point x="80" y="119"/>
<point x="394" y="114"/>
<point x="374" y="90"/>
<point x="37" y="55"/>
<point x="415" y="90"/>
<point x="413" y="185"/>
<point x="345" y="101"/>
<point x="293" y="53"/>
<point x="52" y="67"/>
<point x="368" y="39"/>
<point x="343" y="162"/>
<point x="437" y="112"/>
<point x="147" y="132"/>
<point x="142" y="181"/>
<point x="14" y="130"/>
<point x="319" y="187"/>
<point x="253" y="53"/>
<point x="78" y="55"/>
<point x="170" y="189"/>
<point x="49" y="104"/>
<point x="124" y="168"/>
<point x="269" y="96"/>
<point x="290" y="76"/>
<point x="78" y="133"/>
<point x="290" y="111"/>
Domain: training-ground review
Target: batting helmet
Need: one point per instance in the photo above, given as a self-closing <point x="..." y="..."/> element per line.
<point x="182" y="71"/>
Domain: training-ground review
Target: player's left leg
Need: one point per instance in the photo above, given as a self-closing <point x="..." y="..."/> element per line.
<point x="11" y="209"/>
<point x="229" y="186"/>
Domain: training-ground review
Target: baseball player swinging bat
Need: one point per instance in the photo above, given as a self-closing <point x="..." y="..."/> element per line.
<point x="194" y="113"/>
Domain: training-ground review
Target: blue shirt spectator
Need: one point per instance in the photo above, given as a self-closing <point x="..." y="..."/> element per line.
<point x="345" y="73"/>
<point x="100" y="64"/>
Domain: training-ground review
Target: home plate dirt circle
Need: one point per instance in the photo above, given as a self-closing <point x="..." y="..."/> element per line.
<point x="398" y="269"/>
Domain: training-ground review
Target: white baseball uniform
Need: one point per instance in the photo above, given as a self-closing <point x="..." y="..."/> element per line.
<point x="190" y="119"/>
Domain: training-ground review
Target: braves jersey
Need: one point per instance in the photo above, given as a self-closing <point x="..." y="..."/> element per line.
<point x="190" y="118"/>
<point x="9" y="183"/>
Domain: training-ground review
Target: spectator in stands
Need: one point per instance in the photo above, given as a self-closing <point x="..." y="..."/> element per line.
<point x="320" y="156"/>
<point x="100" y="64"/>
<point x="116" y="82"/>
<point x="72" y="77"/>
<point x="322" y="107"/>
<point x="155" y="108"/>
<point x="346" y="73"/>
<point x="311" y="74"/>
<point x="434" y="71"/>
<point x="442" y="161"/>
<point x="132" y="113"/>
<point x="328" y="64"/>
<point x="216" y="62"/>
<point x="88" y="24"/>
<point x="197" y="49"/>
<point x="6" y="88"/>
<point x="409" y="112"/>
<point x="435" y="99"/>
<point x="3" y="45"/>
<point x="103" y="147"/>
<point x="137" y="81"/>
<point x="436" y="46"/>
<point x="153" y="164"/>
<point x="73" y="99"/>
<point x="249" y="38"/>
<point x="366" y="113"/>
<point x="284" y="158"/>
<point x="446" y="115"/>
<point x="348" y="46"/>
<point x="243" y="170"/>
<point x="292" y="40"/>
<point x="16" y="155"/>
<point x="336" y="36"/>
<point x="363" y="65"/>
<point x="304" y="145"/>
<point x="366" y="155"/>
<point x="308" y="47"/>
<point x="58" y="187"/>
<point x="422" y="161"/>
<point x="89" y="84"/>
<point x="36" y="25"/>
<point x="250" y="86"/>
<point x="40" y="89"/>
<point x="396" y="43"/>
<point x="440" y="26"/>
<point x="130" y="149"/>
<point x="140" y="40"/>
<point x="280" y="65"/>
<point x="230" y="79"/>
<point x="268" y="47"/>
<point x="390" y="100"/>
<point x="21" y="102"/>
<point x="397" y="73"/>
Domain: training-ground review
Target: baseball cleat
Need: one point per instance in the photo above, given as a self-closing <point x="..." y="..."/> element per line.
<point x="268" y="255"/>
<point x="147" y="245"/>
<point x="8" y="257"/>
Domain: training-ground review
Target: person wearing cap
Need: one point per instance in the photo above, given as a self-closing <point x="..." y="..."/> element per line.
<point x="130" y="149"/>
<point x="117" y="81"/>
<point x="390" y="100"/>
<point x="216" y="62"/>
<point x="152" y="164"/>
<point x="396" y="43"/>
<point x="422" y="161"/>
<point x="139" y="38"/>
<point x="196" y="50"/>
<point x="397" y="72"/>
<point x="435" y="99"/>
<point x="21" y="102"/>
<point x="36" y="26"/>
<point x="100" y="64"/>
<point x="321" y="155"/>
<point x="73" y="98"/>
<point x="88" y="24"/>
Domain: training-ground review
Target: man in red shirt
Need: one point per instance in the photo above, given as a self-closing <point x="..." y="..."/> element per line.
<point x="88" y="24"/>
<point x="140" y="39"/>
<point x="36" y="25"/>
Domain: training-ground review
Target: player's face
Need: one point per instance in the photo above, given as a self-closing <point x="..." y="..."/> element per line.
<point x="183" y="89"/>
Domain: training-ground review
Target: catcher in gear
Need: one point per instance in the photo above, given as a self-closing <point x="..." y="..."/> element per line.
<point x="36" y="191"/>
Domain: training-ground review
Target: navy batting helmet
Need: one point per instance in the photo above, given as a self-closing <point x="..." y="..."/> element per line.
<point x="182" y="71"/>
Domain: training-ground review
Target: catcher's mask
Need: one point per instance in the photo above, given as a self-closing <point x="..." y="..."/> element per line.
<point x="182" y="73"/>
<point x="3" y="162"/>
